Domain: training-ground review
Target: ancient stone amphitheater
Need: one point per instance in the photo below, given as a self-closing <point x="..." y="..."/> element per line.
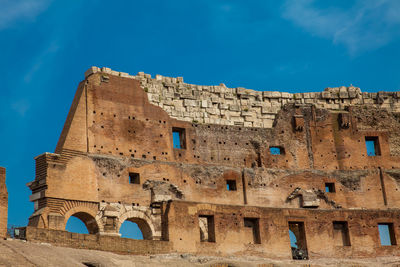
<point x="212" y="171"/>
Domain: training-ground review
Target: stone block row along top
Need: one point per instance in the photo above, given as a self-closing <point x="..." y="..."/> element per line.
<point x="203" y="104"/>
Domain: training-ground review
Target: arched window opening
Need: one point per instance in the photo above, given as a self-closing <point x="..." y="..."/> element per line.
<point x="75" y="225"/>
<point x="135" y="228"/>
<point x="82" y="223"/>
<point x="130" y="230"/>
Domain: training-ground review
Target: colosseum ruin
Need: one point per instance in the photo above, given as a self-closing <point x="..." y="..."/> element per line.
<point x="213" y="170"/>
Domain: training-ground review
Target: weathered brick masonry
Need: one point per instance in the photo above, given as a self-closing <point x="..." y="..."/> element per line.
<point x="3" y="203"/>
<point x="249" y="166"/>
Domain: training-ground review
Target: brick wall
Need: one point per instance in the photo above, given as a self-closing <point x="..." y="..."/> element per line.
<point x="97" y="242"/>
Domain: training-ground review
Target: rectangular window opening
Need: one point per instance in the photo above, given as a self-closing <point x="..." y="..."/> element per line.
<point x="372" y="145"/>
<point x="276" y="150"/>
<point x="298" y="241"/>
<point x="330" y="188"/>
<point x="341" y="234"/>
<point x="253" y="225"/>
<point x="386" y="234"/>
<point x="231" y="185"/>
<point x="178" y="138"/>
<point x="134" y="178"/>
<point x="207" y="228"/>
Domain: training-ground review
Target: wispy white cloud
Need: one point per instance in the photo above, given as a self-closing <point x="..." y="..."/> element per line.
<point x="12" y="11"/>
<point x="20" y="106"/>
<point x="366" y="25"/>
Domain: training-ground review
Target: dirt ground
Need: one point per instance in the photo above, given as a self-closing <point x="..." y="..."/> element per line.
<point x="20" y="253"/>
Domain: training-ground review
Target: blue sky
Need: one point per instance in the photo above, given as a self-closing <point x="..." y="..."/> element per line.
<point x="293" y="46"/>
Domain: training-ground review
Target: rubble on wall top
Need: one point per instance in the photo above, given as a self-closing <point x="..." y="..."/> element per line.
<point x="218" y="104"/>
<point x="237" y="90"/>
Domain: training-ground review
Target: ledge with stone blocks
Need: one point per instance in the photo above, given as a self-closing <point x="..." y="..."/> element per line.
<point x="239" y="106"/>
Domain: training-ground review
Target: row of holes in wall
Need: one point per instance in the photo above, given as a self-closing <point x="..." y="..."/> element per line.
<point x="372" y="142"/>
<point x="134" y="178"/>
<point x="297" y="233"/>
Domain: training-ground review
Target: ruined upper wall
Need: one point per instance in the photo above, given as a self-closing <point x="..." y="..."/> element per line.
<point x="240" y="106"/>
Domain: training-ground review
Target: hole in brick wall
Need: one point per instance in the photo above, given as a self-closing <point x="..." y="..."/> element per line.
<point x="231" y="185"/>
<point x="341" y="234"/>
<point x="276" y="150"/>
<point x="115" y="115"/>
<point x="102" y="126"/>
<point x="386" y="234"/>
<point x="94" y="122"/>
<point x="164" y="122"/>
<point x="207" y="228"/>
<point x="91" y="264"/>
<point x="132" y="155"/>
<point x="94" y="111"/>
<point x="121" y="153"/>
<point x="144" y="156"/>
<point x="116" y="148"/>
<point x="147" y="119"/>
<point x="330" y="187"/>
<point x="298" y="242"/>
<point x="101" y="113"/>
<point x="179" y="138"/>
<point x="154" y="158"/>
<point x="184" y="181"/>
<point x="372" y="145"/>
<point x="253" y="224"/>
<point x="134" y="178"/>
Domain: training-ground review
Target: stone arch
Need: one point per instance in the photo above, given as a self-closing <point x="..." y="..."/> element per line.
<point x="142" y="220"/>
<point x="87" y="216"/>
